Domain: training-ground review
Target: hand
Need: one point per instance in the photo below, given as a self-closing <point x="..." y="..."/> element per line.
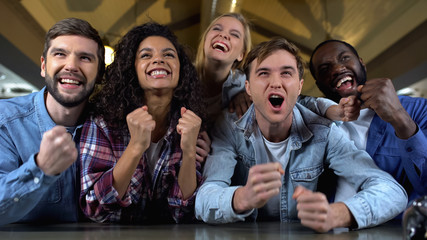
<point x="315" y="212"/>
<point x="350" y="108"/>
<point x="203" y="147"/>
<point x="188" y="127"/>
<point x="140" y="124"/>
<point x="240" y="104"/>
<point x="379" y="95"/>
<point x="57" y="151"/>
<point x="264" y="182"/>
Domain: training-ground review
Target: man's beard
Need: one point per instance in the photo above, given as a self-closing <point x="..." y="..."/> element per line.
<point x="52" y="88"/>
<point x="333" y="95"/>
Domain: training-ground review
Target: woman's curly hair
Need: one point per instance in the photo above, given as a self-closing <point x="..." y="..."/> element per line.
<point x="121" y="92"/>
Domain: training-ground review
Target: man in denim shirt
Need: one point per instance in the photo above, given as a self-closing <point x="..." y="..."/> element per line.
<point x="39" y="179"/>
<point x="266" y="165"/>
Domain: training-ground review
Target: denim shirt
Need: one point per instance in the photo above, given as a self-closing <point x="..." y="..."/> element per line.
<point x="26" y="193"/>
<point x="314" y="144"/>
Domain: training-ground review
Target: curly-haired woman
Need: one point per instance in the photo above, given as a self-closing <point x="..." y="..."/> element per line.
<point x="138" y="150"/>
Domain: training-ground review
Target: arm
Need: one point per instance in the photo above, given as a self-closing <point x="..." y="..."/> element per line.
<point x="100" y="151"/>
<point x="379" y="197"/>
<point x="22" y="185"/>
<point x="348" y="108"/>
<point x="412" y="150"/>
<point x="379" y="95"/>
<point x="188" y="127"/>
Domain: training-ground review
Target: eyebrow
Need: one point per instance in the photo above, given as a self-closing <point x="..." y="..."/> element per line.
<point x="81" y="53"/>
<point x="163" y="50"/>
<point x="286" y="67"/>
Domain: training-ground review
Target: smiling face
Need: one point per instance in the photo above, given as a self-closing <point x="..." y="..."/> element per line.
<point x="157" y="65"/>
<point x="70" y="69"/>
<point x="225" y="40"/>
<point x="274" y="86"/>
<point x="338" y="70"/>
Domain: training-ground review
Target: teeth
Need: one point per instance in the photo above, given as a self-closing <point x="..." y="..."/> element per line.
<point x="221" y="46"/>
<point x="340" y="82"/>
<point x="70" y="81"/>
<point x="158" y="72"/>
<point x="275" y="96"/>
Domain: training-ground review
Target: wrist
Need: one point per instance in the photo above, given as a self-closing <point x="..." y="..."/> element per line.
<point x="238" y="202"/>
<point x="403" y="125"/>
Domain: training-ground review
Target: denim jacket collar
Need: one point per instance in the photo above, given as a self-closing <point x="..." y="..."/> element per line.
<point x="300" y="133"/>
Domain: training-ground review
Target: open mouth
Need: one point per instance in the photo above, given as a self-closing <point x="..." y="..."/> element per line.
<point x="276" y="100"/>
<point x="220" y="46"/>
<point x="69" y="81"/>
<point x="158" y="73"/>
<point x="345" y="82"/>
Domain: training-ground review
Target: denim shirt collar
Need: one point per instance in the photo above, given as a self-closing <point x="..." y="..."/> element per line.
<point x="300" y="133"/>
<point x="44" y="120"/>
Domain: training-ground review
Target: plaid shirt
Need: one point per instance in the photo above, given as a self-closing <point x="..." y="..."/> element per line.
<point x="148" y="199"/>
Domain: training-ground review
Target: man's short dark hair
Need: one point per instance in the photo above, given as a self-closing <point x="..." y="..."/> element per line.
<point x="75" y="26"/>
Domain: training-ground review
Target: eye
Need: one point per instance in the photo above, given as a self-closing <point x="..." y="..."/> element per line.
<point x="234" y="34"/>
<point x="145" y="55"/>
<point x="287" y="73"/>
<point x="216" y="28"/>
<point x="171" y="55"/>
<point x="263" y="73"/>
<point x="59" y="54"/>
<point x="345" y="58"/>
<point x="86" y="58"/>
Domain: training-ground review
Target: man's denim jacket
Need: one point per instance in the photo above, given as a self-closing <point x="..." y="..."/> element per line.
<point x="314" y="145"/>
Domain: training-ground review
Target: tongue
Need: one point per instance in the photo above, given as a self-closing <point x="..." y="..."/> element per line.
<point x="345" y="85"/>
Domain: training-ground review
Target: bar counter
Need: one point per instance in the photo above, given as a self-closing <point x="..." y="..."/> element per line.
<point x="242" y="230"/>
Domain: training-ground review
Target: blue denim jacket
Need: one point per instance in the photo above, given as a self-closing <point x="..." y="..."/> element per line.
<point x="26" y="193"/>
<point x="314" y="144"/>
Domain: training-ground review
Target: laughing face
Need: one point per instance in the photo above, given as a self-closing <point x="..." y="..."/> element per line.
<point x="274" y="86"/>
<point x="224" y="40"/>
<point x="70" y="69"/>
<point x="157" y="65"/>
<point x="338" y="70"/>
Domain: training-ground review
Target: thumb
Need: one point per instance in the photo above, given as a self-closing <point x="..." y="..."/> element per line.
<point x="299" y="190"/>
<point x="183" y="110"/>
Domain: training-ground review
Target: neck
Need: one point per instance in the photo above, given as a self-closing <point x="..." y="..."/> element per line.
<point x="275" y="132"/>
<point x="64" y="116"/>
<point x="214" y="76"/>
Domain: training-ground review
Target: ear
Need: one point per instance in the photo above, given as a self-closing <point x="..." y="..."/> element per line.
<point x="363" y="64"/>
<point x="301" y="83"/>
<point x="240" y="57"/>
<point x="43" y="66"/>
<point x="248" y="88"/>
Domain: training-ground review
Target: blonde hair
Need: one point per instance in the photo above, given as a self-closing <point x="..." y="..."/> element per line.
<point x="247" y="43"/>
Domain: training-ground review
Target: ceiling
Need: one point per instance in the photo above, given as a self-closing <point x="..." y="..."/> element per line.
<point x="391" y="36"/>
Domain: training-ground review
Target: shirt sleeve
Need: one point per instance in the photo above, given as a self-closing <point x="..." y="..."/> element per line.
<point x="99" y="153"/>
<point x="317" y="105"/>
<point x="182" y="210"/>
<point x="413" y="150"/>
<point x="379" y="197"/>
<point x="215" y="196"/>
<point x="22" y="184"/>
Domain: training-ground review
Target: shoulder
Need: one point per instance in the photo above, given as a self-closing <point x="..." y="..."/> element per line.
<point x="17" y="107"/>
<point x="309" y="117"/>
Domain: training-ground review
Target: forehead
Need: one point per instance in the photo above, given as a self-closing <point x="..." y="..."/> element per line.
<point x="230" y="22"/>
<point x="74" y="42"/>
<point x="277" y="59"/>
<point x="330" y="50"/>
<point x="156" y="42"/>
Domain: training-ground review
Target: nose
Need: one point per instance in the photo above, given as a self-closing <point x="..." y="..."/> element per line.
<point x="72" y="64"/>
<point x="337" y="69"/>
<point x="275" y="81"/>
<point x="224" y="35"/>
<point x="158" y="59"/>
